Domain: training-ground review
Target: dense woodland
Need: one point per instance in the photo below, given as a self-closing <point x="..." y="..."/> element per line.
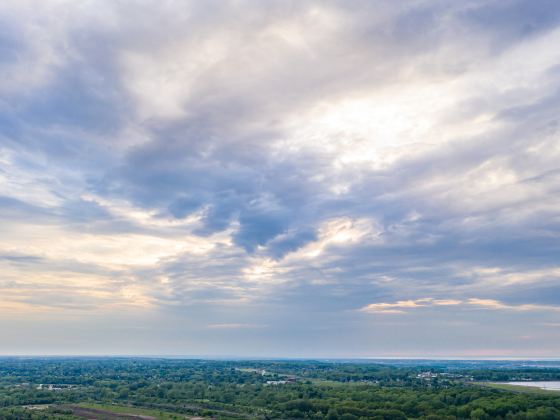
<point x="273" y="389"/>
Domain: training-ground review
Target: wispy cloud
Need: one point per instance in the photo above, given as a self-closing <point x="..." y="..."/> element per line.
<point x="234" y="326"/>
<point x="403" y="306"/>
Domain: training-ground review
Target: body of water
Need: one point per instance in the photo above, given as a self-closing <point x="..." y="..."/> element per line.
<point x="551" y="385"/>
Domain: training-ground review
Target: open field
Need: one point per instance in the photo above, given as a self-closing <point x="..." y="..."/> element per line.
<point x="110" y="411"/>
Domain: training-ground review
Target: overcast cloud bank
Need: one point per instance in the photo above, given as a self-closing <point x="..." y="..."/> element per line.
<point x="280" y="178"/>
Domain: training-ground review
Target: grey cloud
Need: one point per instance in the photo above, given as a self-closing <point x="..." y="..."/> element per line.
<point x="225" y="155"/>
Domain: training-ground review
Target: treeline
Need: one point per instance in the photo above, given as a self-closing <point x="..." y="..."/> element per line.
<point x="224" y="389"/>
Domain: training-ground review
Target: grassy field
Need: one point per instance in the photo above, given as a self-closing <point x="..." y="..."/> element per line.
<point x="327" y="382"/>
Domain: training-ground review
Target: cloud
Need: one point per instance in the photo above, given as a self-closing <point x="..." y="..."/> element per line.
<point x="234" y="326"/>
<point x="403" y="306"/>
<point x="494" y="304"/>
<point x="265" y="164"/>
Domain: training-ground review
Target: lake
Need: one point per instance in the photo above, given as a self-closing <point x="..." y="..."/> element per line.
<point x="550" y="385"/>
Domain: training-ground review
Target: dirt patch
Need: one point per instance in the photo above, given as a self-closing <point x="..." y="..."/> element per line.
<point x="98" y="414"/>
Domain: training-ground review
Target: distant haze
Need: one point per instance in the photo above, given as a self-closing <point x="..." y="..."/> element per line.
<point x="280" y="179"/>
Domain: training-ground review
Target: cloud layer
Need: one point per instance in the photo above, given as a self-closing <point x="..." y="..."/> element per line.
<point x="282" y="179"/>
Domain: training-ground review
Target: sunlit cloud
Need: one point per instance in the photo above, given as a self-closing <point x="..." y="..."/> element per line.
<point x="403" y="306"/>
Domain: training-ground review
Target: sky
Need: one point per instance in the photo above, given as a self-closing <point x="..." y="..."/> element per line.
<point x="280" y="178"/>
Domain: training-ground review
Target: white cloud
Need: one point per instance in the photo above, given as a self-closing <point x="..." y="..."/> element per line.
<point x="403" y="306"/>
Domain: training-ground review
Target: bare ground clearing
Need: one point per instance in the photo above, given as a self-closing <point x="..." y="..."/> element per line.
<point x="98" y="414"/>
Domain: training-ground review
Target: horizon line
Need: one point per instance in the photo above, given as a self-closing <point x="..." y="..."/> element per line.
<point x="288" y="358"/>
